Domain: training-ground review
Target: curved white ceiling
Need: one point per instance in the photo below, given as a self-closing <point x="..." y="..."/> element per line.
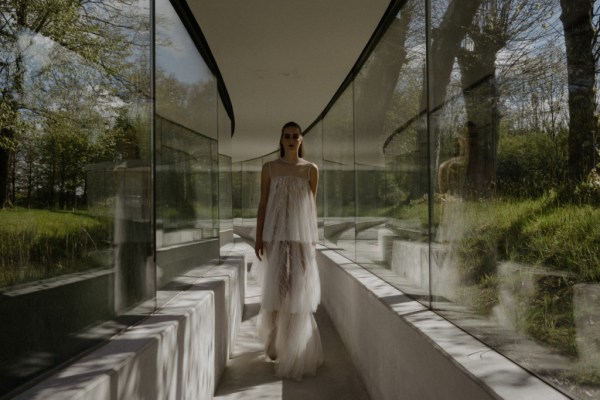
<point x="283" y="60"/>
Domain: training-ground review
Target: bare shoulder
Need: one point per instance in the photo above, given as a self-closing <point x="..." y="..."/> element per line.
<point x="310" y="165"/>
<point x="313" y="170"/>
<point x="266" y="168"/>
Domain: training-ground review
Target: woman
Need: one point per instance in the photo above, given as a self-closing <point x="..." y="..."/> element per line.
<point x="286" y="236"/>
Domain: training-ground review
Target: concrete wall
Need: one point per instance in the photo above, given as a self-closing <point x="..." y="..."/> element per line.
<point x="94" y="291"/>
<point x="226" y="236"/>
<point x="179" y="352"/>
<point x="176" y="260"/>
<point x="403" y="350"/>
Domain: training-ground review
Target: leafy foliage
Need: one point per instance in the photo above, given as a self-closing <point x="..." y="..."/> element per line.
<point x="539" y="232"/>
<point x="67" y="67"/>
<point x="530" y="164"/>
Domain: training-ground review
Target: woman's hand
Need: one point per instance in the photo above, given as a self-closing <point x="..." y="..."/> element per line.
<point x="259" y="248"/>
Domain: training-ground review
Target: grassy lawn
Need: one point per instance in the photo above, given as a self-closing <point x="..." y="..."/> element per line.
<point x="535" y="232"/>
<point x="36" y="244"/>
<point x="541" y="234"/>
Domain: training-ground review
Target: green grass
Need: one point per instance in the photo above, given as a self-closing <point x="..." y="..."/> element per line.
<point x="566" y="238"/>
<point x="542" y="232"/>
<point x="417" y="210"/>
<point x="562" y="238"/>
<point x="538" y="232"/>
<point x="36" y="244"/>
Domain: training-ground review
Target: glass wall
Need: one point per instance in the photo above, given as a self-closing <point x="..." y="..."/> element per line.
<point x="515" y="250"/>
<point x="189" y="124"/>
<point x="460" y="164"/>
<point x="186" y="140"/>
<point x="237" y="187"/>
<point x="250" y="176"/>
<point x="225" y="177"/>
<point x="248" y="189"/>
<point x="313" y="151"/>
<point x="81" y="150"/>
<point x="75" y="179"/>
<point x="338" y="175"/>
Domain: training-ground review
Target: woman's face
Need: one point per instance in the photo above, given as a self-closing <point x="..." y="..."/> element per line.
<point x="291" y="139"/>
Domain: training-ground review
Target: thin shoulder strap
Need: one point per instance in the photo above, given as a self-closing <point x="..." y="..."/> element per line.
<point x="309" y="168"/>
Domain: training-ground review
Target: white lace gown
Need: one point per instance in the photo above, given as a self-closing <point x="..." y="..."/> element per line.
<point x="289" y="274"/>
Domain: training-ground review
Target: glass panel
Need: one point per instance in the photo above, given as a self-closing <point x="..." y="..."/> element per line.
<point x="225" y="194"/>
<point x="251" y="170"/>
<point x="75" y="155"/>
<point x="313" y="152"/>
<point x="515" y="257"/>
<point x="187" y="157"/>
<point x="185" y="209"/>
<point x="225" y="177"/>
<point x="224" y="128"/>
<point x="338" y="166"/>
<point x="392" y="207"/>
<point x="186" y="88"/>
<point x="212" y="221"/>
<point x="236" y="185"/>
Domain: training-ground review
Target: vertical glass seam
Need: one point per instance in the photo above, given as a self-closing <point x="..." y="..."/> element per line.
<point x="353" y="77"/>
<point x="429" y="141"/>
<point x="153" y="142"/>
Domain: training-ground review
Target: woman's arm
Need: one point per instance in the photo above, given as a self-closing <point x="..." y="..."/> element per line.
<point x="314" y="180"/>
<point x="265" y="180"/>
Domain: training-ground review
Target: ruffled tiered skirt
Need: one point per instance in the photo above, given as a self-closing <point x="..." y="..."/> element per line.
<point x="291" y="294"/>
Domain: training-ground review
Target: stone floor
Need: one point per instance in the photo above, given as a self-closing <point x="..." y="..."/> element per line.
<point x="249" y="375"/>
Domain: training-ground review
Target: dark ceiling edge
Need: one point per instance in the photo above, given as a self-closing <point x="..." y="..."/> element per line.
<point x="191" y="25"/>
<point x="386" y="20"/>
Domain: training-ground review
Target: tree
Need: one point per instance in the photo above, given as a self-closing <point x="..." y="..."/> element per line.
<point x="579" y="35"/>
<point x="65" y="150"/>
<point x="534" y="92"/>
<point x="496" y="23"/>
<point x="64" y="45"/>
<point x="446" y="39"/>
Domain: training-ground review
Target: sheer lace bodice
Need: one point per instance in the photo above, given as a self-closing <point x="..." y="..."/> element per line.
<point x="291" y="208"/>
<point x="281" y="167"/>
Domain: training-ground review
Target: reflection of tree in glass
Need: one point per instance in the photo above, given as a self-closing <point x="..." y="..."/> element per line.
<point x="64" y="65"/>
<point x="190" y="104"/>
<point x="446" y="38"/>
<point x="495" y="24"/>
<point x="580" y="42"/>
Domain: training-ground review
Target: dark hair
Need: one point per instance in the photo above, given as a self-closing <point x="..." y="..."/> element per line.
<point x="291" y="124"/>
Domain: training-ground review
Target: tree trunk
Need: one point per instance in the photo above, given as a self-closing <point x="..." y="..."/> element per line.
<point x="576" y="18"/>
<point x="4" y="168"/>
<point x="13" y="178"/>
<point x="13" y="98"/>
<point x="478" y="81"/>
<point x="444" y="46"/>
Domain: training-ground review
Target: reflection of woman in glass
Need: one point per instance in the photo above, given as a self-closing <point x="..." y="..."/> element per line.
<point x="451" y="173"/>
<point x="451" y="185"/>
<point x="286" y="235"/>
